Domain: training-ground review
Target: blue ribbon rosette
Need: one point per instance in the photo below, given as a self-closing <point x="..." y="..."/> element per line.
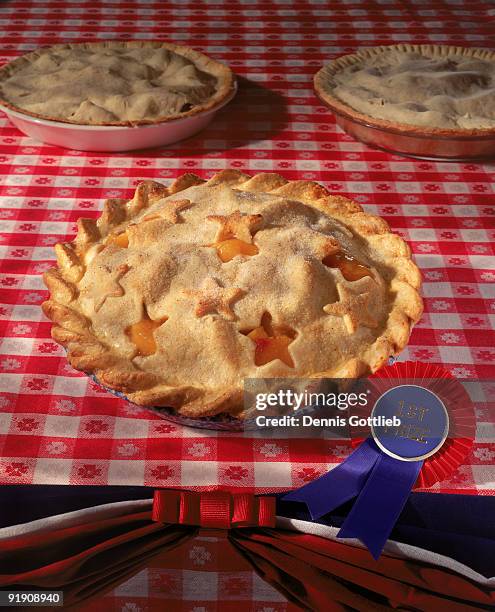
<point x="383" y="470"/>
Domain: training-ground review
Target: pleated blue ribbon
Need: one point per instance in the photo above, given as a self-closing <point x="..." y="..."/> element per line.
<point x="380" y="484"/>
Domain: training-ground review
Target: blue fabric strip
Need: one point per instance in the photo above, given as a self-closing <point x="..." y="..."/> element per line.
<point x="340" y="484"/>
<point x="380" y="502"/>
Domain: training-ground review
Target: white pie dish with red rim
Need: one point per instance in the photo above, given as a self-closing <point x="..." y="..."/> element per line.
<point x="111" y="138"/>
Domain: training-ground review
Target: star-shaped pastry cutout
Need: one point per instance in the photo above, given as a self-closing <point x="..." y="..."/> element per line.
<point x="353" y="307"/>
<point x="170" y="211"/>
<point x="237" y="225"/>
<point x="214" y="298"/>
<point x="109" y="285"/>
<point x="271" y="342"/>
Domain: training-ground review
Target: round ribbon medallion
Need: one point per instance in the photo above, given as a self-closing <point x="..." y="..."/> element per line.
<point x="420" y="423"/>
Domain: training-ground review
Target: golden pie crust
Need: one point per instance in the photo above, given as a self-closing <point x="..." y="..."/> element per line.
<point x="114" y="83"/>
<point x="176" y="296"/>
<point x="432" y="90"/>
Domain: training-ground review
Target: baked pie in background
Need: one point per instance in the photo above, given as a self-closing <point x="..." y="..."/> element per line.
<point x="114" y="83"/>
<point x="428" y="86"/>
<point x="176" y="296"/>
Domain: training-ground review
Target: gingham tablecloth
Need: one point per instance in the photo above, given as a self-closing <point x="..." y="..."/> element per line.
<point x="56" y="426"/>
<point x="193" y="579"/>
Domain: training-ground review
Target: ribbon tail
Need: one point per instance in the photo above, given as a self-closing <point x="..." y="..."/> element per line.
<point x="343" y="483"/>
<point x="380" y="503"/>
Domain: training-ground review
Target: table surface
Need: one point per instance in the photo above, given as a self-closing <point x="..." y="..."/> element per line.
<point x="56" y="426"/>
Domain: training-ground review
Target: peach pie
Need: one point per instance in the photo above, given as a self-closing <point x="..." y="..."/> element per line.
<point x="176" y="296"/>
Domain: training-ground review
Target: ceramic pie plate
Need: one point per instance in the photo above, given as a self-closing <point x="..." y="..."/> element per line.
<point x="112" y="138"/>
<point x="408" y="140"/>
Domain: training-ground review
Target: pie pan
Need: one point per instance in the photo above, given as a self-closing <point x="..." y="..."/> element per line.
<point x="415" y="144"/>
<point x="112" y="138"/>
<point x="222" y="421"/>
<point x="219" y="422"/>
<point x="447" y="144"/>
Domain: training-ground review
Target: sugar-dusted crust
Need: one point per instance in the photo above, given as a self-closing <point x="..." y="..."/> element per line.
<point x="203" y="356"/>
<point x="223" y="87"/>
<point x="324" y="83"/>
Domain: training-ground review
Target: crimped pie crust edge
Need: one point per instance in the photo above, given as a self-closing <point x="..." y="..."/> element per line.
<point x="224" y="75"/>
<point x="86" y="352"/>
<point x="322" y="81"/>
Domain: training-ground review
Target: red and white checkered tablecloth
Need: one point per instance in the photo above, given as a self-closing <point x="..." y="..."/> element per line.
<point x="56" y="426"/>
<point x="194" y="578"/>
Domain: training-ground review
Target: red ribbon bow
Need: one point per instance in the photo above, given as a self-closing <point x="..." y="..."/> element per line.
<point x="213" y="509"/>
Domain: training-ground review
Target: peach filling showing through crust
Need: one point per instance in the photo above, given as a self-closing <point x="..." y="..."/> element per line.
<point x="230" y="248"/>
<point x="120" y="240"/>
<point x="350" y="267"/>
<point x="271" y="342"/>
<point x="141" y="334"/>
<point x="231" y="240"/>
